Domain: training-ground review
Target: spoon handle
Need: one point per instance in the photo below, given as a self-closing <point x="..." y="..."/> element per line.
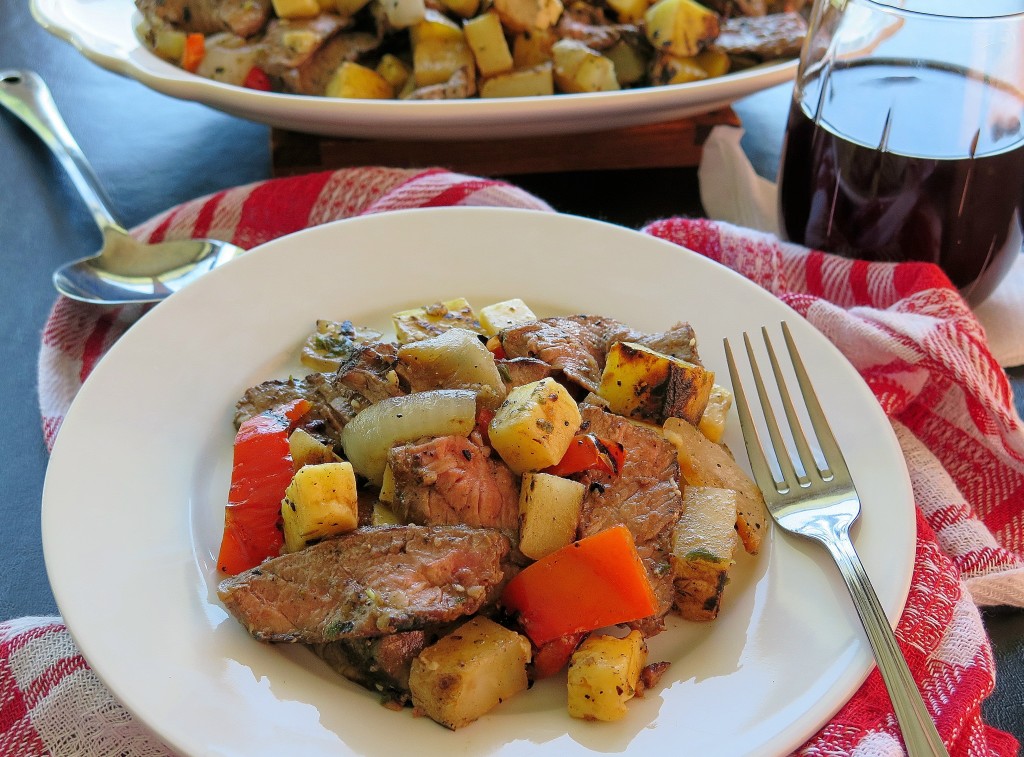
<point x="26" y="95"/>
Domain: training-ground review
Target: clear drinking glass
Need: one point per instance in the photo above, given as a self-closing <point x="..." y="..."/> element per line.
<point x="905" y="137"/>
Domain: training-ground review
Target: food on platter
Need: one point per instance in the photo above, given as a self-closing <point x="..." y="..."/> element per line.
<point x="457" y="49"/>
<point x="474" y="504"/>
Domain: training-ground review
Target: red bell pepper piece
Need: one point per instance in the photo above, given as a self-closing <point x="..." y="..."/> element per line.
<point x="588" y="452"/>
<point x="594" y="582"/>
<point x="194" y="52"/>
<point x="257" y="79"/>
<point x="261" y="472"/>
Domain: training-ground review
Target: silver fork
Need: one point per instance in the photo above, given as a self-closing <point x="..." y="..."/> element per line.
<point x="821" y="504"/>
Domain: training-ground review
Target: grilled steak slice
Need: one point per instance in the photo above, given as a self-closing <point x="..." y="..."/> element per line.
<point x="645" y="497"/>
<point x="242" y="17"/>
<point x="522" y="370"/>
<point x="451" y="480"/>
<point x="577" y="345"/>
<point x="291" y="42"/>
<point x="756" y="39"/>
<point x="331" y="403"/>
<point x="370" y="372"/>
<point x="312" y="76"/>
<point x="370" y="582"/>
<point x="380" y="664"/>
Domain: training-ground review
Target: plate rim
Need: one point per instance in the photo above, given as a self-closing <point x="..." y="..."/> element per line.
<point x="264" y="251"/>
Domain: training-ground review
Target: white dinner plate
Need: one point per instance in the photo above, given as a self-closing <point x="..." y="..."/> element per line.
<point x="134" y="500"/>
<point x="104" y="31"/>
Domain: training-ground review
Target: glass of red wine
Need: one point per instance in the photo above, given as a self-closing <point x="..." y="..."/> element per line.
<point x="905" y="139"/>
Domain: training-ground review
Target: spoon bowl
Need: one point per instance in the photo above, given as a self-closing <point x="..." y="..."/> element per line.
<point x="124" y="270"/>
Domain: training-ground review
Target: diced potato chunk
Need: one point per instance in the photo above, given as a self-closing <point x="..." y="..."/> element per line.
<point x="525" y="15"/>
<point x="296" y="8"/>
<point x="603" y="675"/>
<point x="647" y="385"/>
<point x="392" y="68"/>
<point x="431" y="320"/>
<point x="534" y="426"/>
<point x="704" y="463"/>
<point x="549" y="512"/>
<point x="712" y="422"/>
<point x="455" y="359"/>
<point x="306" y="449"/>
<point x="676" y="70"/>
<point x="502" y="315"/>
<point x="680" y="27"/>
<point x="357" y="82"/>
<point x="469" y="672"/>
<point x="714" y="60"/>
<point x="532" y="47"/>
<point x="462" y="8"/>
<point x="630" y="11"/>
<point x="486" y="39"/>
<point x="703" y="543"/>
<point x="581" y="69"/>
<point x="383" y="515"/>
<point x="345" y="7"/>
<point x="368" y="437"/>
<point x="439" y="49"/>
<point x="630" y="63"/>
<point x="527" y="82"/>
<point x="402" y="14"/>
<point x="320" y="501"/>
<point x="169" y="43"/>
<point x="387" y="486"/>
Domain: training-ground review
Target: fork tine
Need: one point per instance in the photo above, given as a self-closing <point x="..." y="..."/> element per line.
<point x="826" y="439"/>
<point x="790" y="478"/>
<point x="795" y="427"/>
<point x="755" y="452"/>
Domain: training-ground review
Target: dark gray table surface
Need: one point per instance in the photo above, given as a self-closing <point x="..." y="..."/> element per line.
<point x="152" y="152"/>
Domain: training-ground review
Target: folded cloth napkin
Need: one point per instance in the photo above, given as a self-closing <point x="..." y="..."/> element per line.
<point x="904" y="327"/>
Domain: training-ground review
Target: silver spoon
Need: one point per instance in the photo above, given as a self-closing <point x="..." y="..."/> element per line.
<point x="124" y="270"/>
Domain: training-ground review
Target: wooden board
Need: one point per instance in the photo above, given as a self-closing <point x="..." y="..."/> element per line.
<point x="665" y="145"/>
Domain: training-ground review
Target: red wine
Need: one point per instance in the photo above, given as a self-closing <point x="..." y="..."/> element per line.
<point x="892" y="172"/>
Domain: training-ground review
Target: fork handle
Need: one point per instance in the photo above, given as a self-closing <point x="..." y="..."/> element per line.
<point x="919" y="732"/>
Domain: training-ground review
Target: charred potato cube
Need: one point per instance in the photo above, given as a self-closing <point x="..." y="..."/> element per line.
<point x="296" y="8"/>
<point x="501" y="315"/>
<point x="526" y="15"/>
<point x="486" y="39"/>
<point x="527" y="82"/>
<point x="549" y="512"/>
<point x="532" y="47"/>
<point x="578" y="68"/>
<point x="320" y="501"/>
<point x="439" y="49"/>
<point x="703" y="544"/>
<point x="603" y="675"/>
<point x="704" y="463"/>
<point x="644" y="384"/>
<point x="434" y="319"/>
<point x="534" y="426"/>
<point x="680" y="27"/>
<point x="469" y="672"/>
<point x="356" y="82"/>
<point x="306" y="449"/>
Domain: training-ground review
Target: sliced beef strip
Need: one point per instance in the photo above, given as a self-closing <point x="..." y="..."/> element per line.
<point x="242" y="17"/>
<point x="522" y="370"/>
<point x="380" y="664"/>
<point x="645" y="497"/>
<point x="578" y="345"/>
<point x="450" y="479"/>
<point x="331" y="404"/>
<point x="312" y="76"/>
<point x="756" y="39"/>
<point x="370" y="582"/>
<point x="370" y="372"/>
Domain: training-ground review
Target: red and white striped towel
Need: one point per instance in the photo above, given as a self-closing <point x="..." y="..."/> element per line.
<point x="903" y="326"/>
